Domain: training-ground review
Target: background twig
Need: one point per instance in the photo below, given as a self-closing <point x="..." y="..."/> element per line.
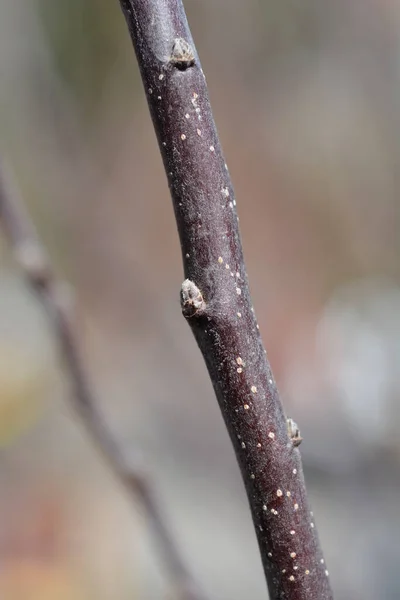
<point x="38" y="271"/>
<point x="216" y="301"/>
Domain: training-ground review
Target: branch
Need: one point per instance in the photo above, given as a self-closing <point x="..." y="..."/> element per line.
<point x="38" y="272"/>
<point x="216" y="301"/>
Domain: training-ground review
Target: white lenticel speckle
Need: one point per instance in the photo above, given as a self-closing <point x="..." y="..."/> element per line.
<point x="295" y="568"/>
<point x="258" y="445"/>
<point x="183" y="137"/>
<point x="294" y="471"/>
<point x="225" y="192"/>
<point x="293" y="555"/>
<point x="220" y="260"/>
<point x="283" y="571"/>
<point x="312" y="525"/>
<point x="292" y="532"/>
<point x="230" y="205"/>
<point x="326" y="572"/>
<point x="239" y="370"/>
<point x="252" y="476"/>
<point x="199" y="132"/>
<point x="239" y="360"/>
<point x="254" y="389"/>
<point x="239" y="314"/>
<point x="243" y="445"/>
<point x="288" y="494"/>
<point x="227" y="267"/>
<point x="291" y="578"/>
<point x="161" y="77"/>
<point x="187" y="255"/>
<point x="270" y="554"/>
<point x="238" y="291"/>
<point x="246" y="407"/>
<point x="187" y="116"/>
<point x="271" y="435"/>
<point x="279" y="493"/>
<point x="212" y="149"/>
<point x="296" y="507"/>
<point x="307" y="572"/>
<point x="322" y="561"/>
<point x="264" y="507"/>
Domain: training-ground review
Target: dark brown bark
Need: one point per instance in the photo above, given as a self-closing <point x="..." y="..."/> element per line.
<point x="216" y="301"/>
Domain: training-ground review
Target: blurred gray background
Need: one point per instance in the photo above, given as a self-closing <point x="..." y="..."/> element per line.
<point x="306" y="97"/>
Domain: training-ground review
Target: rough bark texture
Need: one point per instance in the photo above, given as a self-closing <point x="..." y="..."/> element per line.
<point x="216" y="301"/>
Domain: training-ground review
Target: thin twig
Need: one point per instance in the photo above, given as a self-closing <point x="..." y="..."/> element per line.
<point x="39" y="273"/>
<point x="216" y="301"/>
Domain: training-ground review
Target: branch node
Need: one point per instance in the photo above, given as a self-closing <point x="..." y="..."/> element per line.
<point x="192" y="301"/>
<point x="182" y="55"/>
<point x="33" y="261"/>
<point x="294" y="432"/>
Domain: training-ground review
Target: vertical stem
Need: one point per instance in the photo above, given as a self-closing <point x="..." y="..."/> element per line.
<point x="216" y="301"/>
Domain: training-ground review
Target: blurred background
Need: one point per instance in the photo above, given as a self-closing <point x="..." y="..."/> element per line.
<point x="307" y="101"/>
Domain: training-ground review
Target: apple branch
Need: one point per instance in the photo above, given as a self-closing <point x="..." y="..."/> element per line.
<point x="216" y="301"/>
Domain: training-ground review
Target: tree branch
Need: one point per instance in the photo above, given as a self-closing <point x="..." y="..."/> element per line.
<point x="37" y="270"/>
<point x="216" y="301"/>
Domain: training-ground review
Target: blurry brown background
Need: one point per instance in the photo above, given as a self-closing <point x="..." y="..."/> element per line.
<point x="307" y="101"/>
